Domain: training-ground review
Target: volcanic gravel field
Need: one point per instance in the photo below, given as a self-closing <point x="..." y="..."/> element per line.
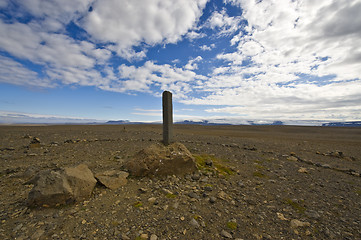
<point x="254" y="182"/>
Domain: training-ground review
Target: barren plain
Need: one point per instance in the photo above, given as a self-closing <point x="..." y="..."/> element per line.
<point x="272" y="182"/>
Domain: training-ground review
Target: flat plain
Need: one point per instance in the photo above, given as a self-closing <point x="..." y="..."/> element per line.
<point x="275" y="182"/>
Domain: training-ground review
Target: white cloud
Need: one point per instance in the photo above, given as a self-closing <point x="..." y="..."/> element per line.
<point x="297" y="59"/>
<point x="117" y="25"/>
<point x="224" y="24"/>
<point x="62" y="58"/>
<point x="130" y="23"/>
<point x="53" y="15"/>
<point x="151" y="76"/>
<point x="3" y="4"/>
<point x="13" y="72"/>
<point x="207" y="48"/>
<point x="192" y="64"/>
<point x="7" y="117"/>
<point x="195" y="35"/>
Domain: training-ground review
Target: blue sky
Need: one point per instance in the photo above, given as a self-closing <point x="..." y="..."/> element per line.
<point x="230" y="60"/>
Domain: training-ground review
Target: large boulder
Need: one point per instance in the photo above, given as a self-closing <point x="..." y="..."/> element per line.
<point x="160" y="160"/>
<point x="61" y="186"/>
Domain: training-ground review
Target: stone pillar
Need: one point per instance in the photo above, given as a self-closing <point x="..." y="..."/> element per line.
<point x="167" y="118"/>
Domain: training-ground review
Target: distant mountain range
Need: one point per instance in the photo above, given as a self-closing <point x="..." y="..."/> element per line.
<point x="256" y="123"/>
<point x="342" y="124"/>
<point x="25" y="118"/>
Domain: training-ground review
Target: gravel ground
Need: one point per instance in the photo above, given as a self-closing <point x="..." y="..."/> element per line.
<point x="281" y="182"/>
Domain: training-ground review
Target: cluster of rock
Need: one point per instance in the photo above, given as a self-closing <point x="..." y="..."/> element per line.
<point x="72" y="184"/>
<point x="61" y="186"/>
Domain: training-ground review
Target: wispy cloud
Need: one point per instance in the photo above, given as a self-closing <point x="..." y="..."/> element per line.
<point x="19" y="117"/>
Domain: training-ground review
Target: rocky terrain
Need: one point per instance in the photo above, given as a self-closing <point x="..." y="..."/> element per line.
<point x="254" y="182"/>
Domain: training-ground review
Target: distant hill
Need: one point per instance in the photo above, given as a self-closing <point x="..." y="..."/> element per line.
<point x="342" y="124"/>
<point x="273" y="123"/>
<point x="118" y="122"/>
<point x="204" y="122"/>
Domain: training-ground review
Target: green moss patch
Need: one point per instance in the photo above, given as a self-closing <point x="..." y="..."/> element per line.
<point x="138" y="204"/>
<point x="259" y="174"/>
<point x="232" y="225"/>
<point x="218" y="165"/>
<point x="296" y="206"/>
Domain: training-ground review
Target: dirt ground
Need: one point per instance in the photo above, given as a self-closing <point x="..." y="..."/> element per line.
<point x="285" y="182"/>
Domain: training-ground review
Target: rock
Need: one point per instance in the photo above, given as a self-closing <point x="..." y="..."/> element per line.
<point x="222" y="195"/>
<point x="160" y="160"/>
<point x="302" y="170"/>
<point x="281" y="216"/>
<point x="313" y="214"/>
<point x="196" y="177"/>
<point x="153" y="237"/>
<point x="193" y="195"/>
<point x="212" y="199"/>
<point x="297" y="223"/>
<point x="241" y="184"/>
<point x="292" y="158"/>
<point x="209" y="162"/>
<point x="27" y="136"/>
<point x="144" y="236"/>
<point x="194" y="223"/>
<point x="61" y="186"/>
<point x="81" y="180"/>
<point x="112" y="179"/>
<point x="152" y="200"/>
<point x="226" y="234"/>
<point x="35" y="143"/>
<point x="30" y="172"/>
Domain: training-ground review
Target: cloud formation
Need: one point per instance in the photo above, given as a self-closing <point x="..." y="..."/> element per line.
<point x="291" y="59"/>
<point x="296" y="59"/>
<point x="130" y="23"/>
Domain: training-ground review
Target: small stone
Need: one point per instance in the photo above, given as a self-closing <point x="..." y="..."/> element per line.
<point x="212" y="199"/>
<point x="196" y="177"/>
<point x="241" y="184"/>
<point x="302" y="170"/>
<point x="209" y="162"/>
<point x="142" y="190"/>
<point x="222" y="195"/>
<point x="193" y="195"/>
<point x="226" y="234"/>
<point x="153" y="237"/>
<point x="297" y="223"/>
<point x="312" y="214"/>
<point x="152" y="200"/>
<point x="292" y="158"/>
<point x="27" y="136"/>
<point x="166" y="191"/>
<point x="144" y="236"/>
<point x="194" y="223"/>
<point x="280" y="216"/>
<point x="125" y="237"/>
